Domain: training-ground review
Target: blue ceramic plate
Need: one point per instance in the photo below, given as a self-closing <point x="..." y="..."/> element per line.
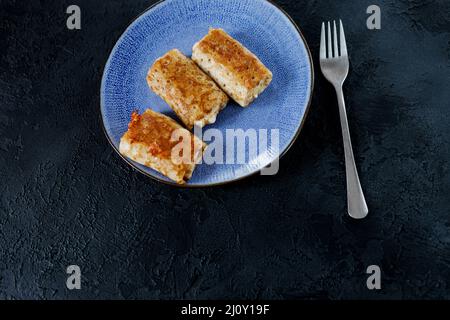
<point x="259" y="25"/>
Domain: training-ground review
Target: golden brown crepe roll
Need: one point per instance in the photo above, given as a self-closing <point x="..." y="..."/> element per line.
<point x="237" y="71"/>
<point x="153" y="139"/>
<point x="192" y="94"/>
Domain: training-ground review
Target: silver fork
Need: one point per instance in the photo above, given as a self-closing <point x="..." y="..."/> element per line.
<point x="335" y="67"/>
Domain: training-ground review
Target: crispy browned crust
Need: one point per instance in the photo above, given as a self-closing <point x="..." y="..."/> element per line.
<point x="158" y="142"/>
<point x="235" y="57"/>
<point x="191" y="93"/>
<point x="154" y="130"/>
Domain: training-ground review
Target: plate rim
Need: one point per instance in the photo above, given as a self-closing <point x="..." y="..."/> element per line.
<point x="208" y="185"/>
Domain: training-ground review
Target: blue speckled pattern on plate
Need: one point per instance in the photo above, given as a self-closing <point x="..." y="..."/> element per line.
<point x="260" y="26"/>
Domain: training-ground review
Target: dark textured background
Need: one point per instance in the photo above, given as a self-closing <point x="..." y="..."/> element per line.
<point x="67" y="198"/>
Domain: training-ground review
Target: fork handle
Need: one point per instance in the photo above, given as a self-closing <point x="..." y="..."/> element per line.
<point x="356" y="203"/>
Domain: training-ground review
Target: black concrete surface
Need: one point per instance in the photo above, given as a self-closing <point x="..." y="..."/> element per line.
<point x="67" y="198"/>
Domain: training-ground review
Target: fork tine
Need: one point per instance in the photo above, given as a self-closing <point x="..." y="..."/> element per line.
<point x="343" y="43"/>
<point x="323" y="45"/>
<point x="330" y="50"/>
<point x="335" y="40"/>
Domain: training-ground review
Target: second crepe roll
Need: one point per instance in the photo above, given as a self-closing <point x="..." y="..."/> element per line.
<point x="192" y="94"/>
